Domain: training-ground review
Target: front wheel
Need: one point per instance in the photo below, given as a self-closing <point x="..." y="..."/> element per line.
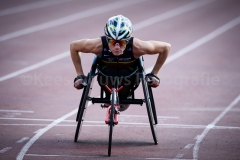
<point x="111" y="124"/>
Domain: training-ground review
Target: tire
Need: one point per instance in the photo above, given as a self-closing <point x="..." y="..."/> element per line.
<point x="79" y="108"/>
<point x="152" y="104"/>
<point x="149" y="111"/>
<point x="79" y="124"/>
<point x="82" y="108"/>
<point x="110" y="124"/>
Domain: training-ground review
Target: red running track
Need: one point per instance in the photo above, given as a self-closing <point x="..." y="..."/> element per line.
<point x="197" y="102"/>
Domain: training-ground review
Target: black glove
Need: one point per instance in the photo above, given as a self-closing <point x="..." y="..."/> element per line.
<point x="83" y="83"/>
<point x="152" y="83"/>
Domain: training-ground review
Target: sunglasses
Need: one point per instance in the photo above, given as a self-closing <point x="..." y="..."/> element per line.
<point x="120" y="42"/>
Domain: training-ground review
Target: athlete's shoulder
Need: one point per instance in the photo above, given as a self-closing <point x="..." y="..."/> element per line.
<point x="138" y="47"/>
<point x="141" y="47"/>
<point x="88" y="45"/>
<point x="96" y="44"/>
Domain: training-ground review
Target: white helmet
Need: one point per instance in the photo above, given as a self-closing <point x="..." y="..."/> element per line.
<point x="118" y="28"/>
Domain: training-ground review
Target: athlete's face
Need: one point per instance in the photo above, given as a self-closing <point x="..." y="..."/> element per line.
<point x="117" y="47"/>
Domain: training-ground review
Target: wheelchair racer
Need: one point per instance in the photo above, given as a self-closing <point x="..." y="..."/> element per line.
<point x="118" y="51"/>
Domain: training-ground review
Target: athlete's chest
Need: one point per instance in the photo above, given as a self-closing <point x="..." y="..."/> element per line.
<point x="109" y="57"/>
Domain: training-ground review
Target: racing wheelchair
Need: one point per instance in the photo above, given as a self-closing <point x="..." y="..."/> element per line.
<point x="115" y="100"/>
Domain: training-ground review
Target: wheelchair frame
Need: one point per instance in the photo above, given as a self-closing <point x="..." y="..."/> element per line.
<point x="148" y="99"/>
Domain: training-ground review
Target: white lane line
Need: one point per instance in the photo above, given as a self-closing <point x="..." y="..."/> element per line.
<point x="180" y="126"/>
<point x="70" y="18"/>
<point x="30" y="6"/>
<point x="22" y="140"/>
<point x="160" y="117"/>
<point x="22" y="124"/>
<point x="224" y="127"/>
<point x="42" y="131"/>
<point x="99" y="157"/>
<point x="31" y="119"/>
<point x="88" y="121"/>
<point x="63" y="155"/>
<point x="205" y="39"/>
<point x="169" y="158"/>
<point x="196" y="137"/>
<point x="202" y="40"/>
<point x="160" y="158"/>
<point x="172" y="13"/>
<point x="188" y="146"/>
<point x="138" y="26"/>
<point x="59" y="125"/>
<point x="204" y="109"/>
<point x="123" y="124"/>
<point x="179" y="156"/>
<point x="36" y="136"/>
<point x="5" y="149"/>
<point x="37" y="130"/>
<point x="35" y="66"/>
<point x="210" y="126"/>
<point x="18" y="111"/>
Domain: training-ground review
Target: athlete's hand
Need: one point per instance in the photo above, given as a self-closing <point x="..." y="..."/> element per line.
<point x="80" y="82"/>
<point x="155" y="82"/>
<point x="152" y="80"/>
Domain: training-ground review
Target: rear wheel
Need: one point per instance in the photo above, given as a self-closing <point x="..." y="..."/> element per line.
<point x="81" y="101"/>
<point x="149" y="111"/>
<point x="83" y="107"/>
<point x="79" y="125"/>
<point x="152" y="104"/>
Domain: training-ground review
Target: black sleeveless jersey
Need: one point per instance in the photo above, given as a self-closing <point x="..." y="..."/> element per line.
<point x="126" y="60"/>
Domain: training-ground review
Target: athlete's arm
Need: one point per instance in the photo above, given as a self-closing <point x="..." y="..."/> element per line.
<point x="85" y="46"/>
<point x="152" y="47"/>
